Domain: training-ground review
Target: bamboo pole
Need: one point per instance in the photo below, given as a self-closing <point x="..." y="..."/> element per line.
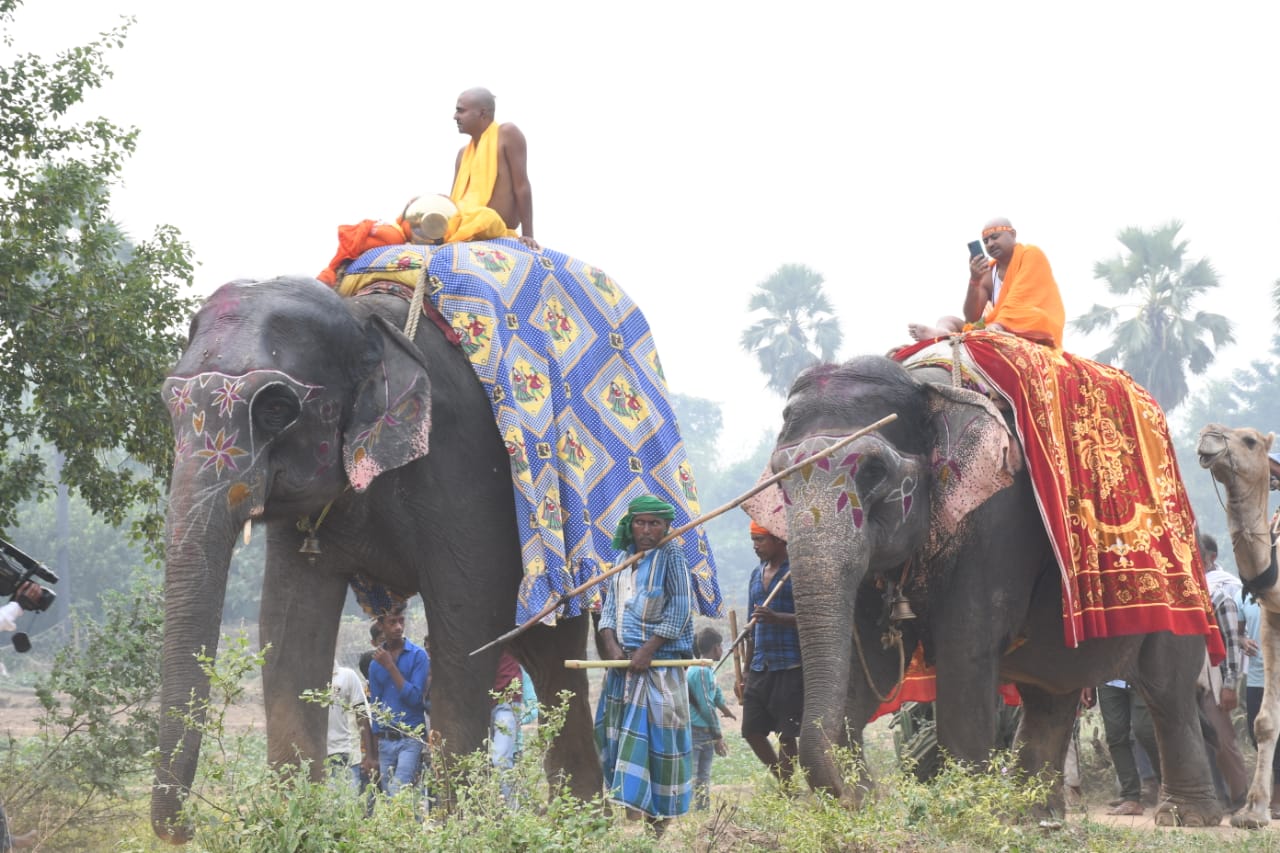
<point x="623" y="664"/>
<point x="737" y="655"/>
<point x="680" y="531"/>
<point x="751" y="624"/>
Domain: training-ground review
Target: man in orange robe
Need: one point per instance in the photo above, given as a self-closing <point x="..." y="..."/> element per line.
<point x="1013" y="292"/>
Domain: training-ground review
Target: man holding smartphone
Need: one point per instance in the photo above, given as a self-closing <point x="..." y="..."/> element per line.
<point x="1013" y="292"/>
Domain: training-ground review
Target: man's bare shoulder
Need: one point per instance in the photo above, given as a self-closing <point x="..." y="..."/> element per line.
<point x="508" y="132"/>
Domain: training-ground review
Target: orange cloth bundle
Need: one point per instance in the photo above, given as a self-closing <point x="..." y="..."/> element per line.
<point x="355" y="240"/>
<point x="1029" y="304"/>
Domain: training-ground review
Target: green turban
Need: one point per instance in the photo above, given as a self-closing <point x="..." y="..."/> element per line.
<point x="645" y="505"/>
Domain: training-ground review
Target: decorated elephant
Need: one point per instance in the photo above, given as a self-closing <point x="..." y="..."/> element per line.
<point x="291" y="403"/>
<point x="937" y="507"/>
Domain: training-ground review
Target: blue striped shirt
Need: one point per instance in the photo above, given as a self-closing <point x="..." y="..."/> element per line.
<point x="662" y="604"/>
<point x="776" y="646"/>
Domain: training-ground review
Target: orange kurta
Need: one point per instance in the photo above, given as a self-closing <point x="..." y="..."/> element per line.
<point x="1029" y="304"/>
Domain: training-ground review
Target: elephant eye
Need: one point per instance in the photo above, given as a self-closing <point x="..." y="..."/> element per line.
<point x="275" y="408"/>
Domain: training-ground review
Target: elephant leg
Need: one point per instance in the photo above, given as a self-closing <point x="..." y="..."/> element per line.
<point x="1043" y="736"/>
<point x="299" y="622"/>
<point x="1266" y="727"/>
<point x="1167" y="668"/>
<point x="542" y="651"/>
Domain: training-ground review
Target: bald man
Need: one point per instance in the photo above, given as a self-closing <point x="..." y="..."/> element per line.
<point x="509" y="194"/>
<point x="1013" y="292"/>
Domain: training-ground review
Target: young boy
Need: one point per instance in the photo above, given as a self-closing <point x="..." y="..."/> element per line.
<point x="704" y="698"/>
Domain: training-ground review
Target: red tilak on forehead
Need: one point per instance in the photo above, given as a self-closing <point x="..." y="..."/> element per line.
<point x="994" y="229"/>
<point x="225" y="300"/>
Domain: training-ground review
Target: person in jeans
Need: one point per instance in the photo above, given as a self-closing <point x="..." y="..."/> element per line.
<point x="504" y="721"/>
<point x="705" y="698"/>
<point x="397" y="680"/>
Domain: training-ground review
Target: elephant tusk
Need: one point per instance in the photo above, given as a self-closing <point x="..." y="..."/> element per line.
<point x="248" y="529"/>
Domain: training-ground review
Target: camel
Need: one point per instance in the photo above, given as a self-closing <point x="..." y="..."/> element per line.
<point x="1238" y="458"/>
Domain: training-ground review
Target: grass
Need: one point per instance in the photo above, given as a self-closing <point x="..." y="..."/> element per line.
<point x="240" y="804"/>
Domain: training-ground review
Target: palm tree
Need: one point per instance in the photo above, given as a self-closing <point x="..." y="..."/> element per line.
<point x="800" y="328"/>
<point x="1162" y="340"/>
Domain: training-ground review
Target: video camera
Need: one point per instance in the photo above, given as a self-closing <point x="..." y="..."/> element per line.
<point x="17" y="571"/>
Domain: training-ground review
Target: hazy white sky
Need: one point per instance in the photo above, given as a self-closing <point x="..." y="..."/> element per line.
<point x="691" y="148"/>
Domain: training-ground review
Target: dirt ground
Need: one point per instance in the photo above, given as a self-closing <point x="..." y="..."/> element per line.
<point x="20" y="712"/>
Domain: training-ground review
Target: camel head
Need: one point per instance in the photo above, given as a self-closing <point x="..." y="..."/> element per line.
<point x="1237" y="458"/>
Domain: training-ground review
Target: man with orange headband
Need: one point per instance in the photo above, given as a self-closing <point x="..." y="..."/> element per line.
<point x="492" y="169"/>
<point x="1013" y="292"/>
<point x="773" y="696"/>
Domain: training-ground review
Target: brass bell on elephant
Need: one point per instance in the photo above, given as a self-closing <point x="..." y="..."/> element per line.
<point x="901" y="610"/>
<point x="310" y="545"/>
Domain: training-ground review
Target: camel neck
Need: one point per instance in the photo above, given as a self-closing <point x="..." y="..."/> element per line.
<point x="1250" y="533"/>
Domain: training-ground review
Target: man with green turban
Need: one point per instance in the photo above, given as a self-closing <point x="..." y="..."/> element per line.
<point x="642" y="723"/>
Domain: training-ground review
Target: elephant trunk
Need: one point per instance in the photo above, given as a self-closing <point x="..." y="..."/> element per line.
<point x="825" y="584"/>
<point x="200" y="534"/>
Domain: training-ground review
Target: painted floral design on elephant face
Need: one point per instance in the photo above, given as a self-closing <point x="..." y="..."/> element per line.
<point x="180" y="399"/>
<point x="822" y="484"/>
<point x="228" y="396"/>
<point x="904" y="494"/>
<point x="220" y="452"/>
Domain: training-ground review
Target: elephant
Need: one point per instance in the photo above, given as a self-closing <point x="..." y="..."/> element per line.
<point x="291" y="402"/>
<point x="933" y="498"/>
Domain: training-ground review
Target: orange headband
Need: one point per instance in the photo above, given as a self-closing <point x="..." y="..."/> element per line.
<point x="987" y="232"/>
<point x="757" y="530"/>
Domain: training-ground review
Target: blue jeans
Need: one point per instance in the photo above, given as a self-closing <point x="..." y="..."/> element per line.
<point x="704" y="751"/>
<point x="398" y="761"/>
<point x="341" y="768"/>
<point x="504" y="729"/>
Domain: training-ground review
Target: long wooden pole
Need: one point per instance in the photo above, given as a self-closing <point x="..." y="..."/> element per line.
<point x="680" y="531"/>
<point x="737" y="654"/>
<point x="751" y="624"/>
<point x="623" y="664"/>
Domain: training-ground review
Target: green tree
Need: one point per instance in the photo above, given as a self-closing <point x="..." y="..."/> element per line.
<point x="1163" y="339"/>
<point x="89" y="321"/>
<point x="800" y="328"/>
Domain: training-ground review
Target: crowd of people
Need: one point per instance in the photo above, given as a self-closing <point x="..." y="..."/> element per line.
<point x="1126" y="720"/>
<point x="658" y="720"/>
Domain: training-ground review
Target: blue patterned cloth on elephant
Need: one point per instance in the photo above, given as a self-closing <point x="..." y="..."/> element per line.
<point x="578" y="393"/>
<point x="642" y="722"/>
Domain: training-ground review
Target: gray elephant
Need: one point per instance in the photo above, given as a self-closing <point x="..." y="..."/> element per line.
<point x="292" y="403"/>
<point x="932" y="497"/>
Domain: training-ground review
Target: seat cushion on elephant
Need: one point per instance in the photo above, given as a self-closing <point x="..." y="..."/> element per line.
<point x="400" y="263"/>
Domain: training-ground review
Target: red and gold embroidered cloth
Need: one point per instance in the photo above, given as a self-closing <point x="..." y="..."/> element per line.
<point x="1103" y="468"/>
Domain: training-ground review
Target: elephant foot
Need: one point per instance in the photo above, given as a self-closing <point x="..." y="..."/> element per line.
<point x="1256" y="814"/>
<point x="1190" y="813"/>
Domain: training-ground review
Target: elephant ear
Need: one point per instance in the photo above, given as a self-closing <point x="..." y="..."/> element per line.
<point x="391" y="416"/>
<point x="974" y="455"/>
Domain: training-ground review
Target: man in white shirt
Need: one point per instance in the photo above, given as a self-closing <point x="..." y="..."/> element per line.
<point x="348" y="695"/>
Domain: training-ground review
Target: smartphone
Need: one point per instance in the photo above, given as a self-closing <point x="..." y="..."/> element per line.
<point x="975" y="249"/>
